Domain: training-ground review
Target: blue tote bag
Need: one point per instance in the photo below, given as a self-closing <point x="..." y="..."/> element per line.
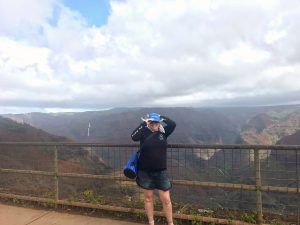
<point x="131" y="167"/>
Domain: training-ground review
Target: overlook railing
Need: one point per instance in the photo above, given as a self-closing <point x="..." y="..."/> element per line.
<point x="222" y="184"/>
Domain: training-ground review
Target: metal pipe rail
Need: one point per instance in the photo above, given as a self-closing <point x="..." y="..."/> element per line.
<point x="191" y="146"/>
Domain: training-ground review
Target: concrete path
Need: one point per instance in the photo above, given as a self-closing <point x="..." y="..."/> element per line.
<point x="13" y="215"/>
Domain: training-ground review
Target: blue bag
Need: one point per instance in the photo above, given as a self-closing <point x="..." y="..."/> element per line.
<point x="130" y="170"/>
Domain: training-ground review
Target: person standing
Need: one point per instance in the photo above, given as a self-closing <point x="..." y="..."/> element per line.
<point x="152" y="163"/>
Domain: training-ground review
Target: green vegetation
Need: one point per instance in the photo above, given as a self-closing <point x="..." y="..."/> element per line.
<point x="197" y="223"/>
<point x="277" y="223"/>
<point x="140" y="216"/>
<point x="249" y="217"/>
<point x="93" y="198"/>
<point x="73" y="199"/>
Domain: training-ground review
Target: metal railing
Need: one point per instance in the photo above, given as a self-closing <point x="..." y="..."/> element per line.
<point x="223" y="184"/>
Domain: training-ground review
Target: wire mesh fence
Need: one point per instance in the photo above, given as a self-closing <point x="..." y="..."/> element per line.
<point x="237" y="182"/>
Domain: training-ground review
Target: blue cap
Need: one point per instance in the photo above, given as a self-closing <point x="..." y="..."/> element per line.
<point x="154" y="117"/>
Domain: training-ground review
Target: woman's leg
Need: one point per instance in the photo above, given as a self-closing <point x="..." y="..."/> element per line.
<point x="167" y="205"/>
<point x="148" y="198"/>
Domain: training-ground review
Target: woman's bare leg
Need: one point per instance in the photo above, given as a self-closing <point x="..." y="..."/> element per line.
<point x="167" y="205"/>
<point x="148" y="198"/>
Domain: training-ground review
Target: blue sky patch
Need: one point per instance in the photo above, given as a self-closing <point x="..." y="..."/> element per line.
<point x="95" y="12"/>
<point x="54" y="19"/>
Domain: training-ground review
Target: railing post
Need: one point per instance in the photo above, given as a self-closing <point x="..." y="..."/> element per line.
<point x="55" y="176"/>
<point x="298" y="184"/>
<point x="258" y="187"/>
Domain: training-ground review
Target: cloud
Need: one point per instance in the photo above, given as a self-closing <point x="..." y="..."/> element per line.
<point x="149" y="53"/>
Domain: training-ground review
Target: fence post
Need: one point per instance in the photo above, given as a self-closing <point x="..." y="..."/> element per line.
<point x="298" y="193"/>
<point x="258" y="187"/>
<point x="55" y="176"/>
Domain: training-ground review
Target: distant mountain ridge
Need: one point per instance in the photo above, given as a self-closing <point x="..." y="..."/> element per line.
<point x="194" y="125"/>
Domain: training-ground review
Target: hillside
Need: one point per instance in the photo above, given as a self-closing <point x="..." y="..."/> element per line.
<point x="293" y="139"/>
<point x="78" y="160"/>
<point x="12" y="131"/>
<point x="271" y="126"/>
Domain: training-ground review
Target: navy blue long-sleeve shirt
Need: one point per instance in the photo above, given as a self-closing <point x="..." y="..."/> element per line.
<point x="153" y="145"/>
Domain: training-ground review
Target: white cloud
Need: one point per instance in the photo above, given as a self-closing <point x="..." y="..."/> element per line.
<point x="273" y="36"/>
<point x="150" y="53"/>
<point x="243" y="53"/>
<point x="19" y="55"/>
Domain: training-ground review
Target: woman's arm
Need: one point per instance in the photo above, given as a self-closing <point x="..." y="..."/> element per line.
<point x="170" y="125"/>
<point x="138" y="132"/>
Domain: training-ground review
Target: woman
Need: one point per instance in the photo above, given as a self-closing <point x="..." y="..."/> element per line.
<point x="152" y="166"/>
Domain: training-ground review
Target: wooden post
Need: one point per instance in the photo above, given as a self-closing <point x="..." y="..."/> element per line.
<point x="298" y="192"/>
<point x="258" y="187"/>
<point x="56" y="176"/>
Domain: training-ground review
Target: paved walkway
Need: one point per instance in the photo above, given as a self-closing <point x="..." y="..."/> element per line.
<point x="13" y="215"/>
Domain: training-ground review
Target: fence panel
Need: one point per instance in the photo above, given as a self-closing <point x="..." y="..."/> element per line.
<point x="231" y="182"/>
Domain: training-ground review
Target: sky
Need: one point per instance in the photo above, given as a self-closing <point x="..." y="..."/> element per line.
<point x="78" y="55"/>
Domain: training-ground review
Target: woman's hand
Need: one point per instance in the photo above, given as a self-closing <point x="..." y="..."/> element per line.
<point x="148" y="122"/>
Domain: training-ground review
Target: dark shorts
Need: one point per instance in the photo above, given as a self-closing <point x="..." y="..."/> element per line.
<point x="153" y="180"/>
